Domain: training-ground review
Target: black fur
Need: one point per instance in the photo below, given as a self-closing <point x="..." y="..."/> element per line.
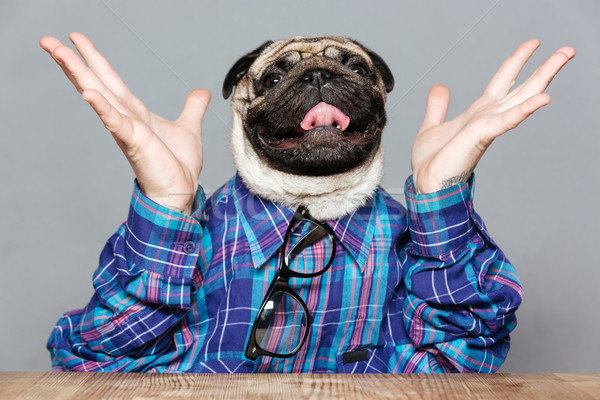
<point x="384" y="70"/>
<point x="320" y="153"/>
<point x="240" y="68"/>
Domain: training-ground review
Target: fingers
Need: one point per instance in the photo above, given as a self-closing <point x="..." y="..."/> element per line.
<point x="507" y="74"/>
<point x="50" y="44"/>
<point x="77" y="71"/>
<point x="512" y="117"/>
<point x="541" y="78"/>
<point x="438" y="101"/>
<point x="194" y="109"/>
<point x="113" y="120"/>
<point x="99" y="64"/>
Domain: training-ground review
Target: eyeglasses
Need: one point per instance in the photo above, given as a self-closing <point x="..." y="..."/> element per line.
<point x="282" y="323"/>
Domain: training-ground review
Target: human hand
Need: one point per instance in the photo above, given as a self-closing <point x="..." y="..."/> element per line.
<point x="446" y="153"/>
<point x="166" y="156"/>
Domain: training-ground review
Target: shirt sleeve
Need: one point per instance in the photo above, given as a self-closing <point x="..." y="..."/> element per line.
<point x="143" y="287"/>
<point x="462" y="290"/>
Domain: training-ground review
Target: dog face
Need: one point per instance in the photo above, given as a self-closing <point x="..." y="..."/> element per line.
<point x="307" y="108"/>
<point x="313" y="106"/>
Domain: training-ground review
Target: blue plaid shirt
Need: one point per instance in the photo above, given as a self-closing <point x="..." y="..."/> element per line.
<point x="417" y="290"/>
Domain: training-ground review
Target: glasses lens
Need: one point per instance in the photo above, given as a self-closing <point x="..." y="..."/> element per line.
<point x="309" y="248"/>
<point x="281" y="325"/>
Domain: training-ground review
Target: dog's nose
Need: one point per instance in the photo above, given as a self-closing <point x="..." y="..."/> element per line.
<point x="317" y="76"/>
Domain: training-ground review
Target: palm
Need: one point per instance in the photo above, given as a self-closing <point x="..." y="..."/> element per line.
<point x="166" y="156"/>
<point x="445" y="153"/>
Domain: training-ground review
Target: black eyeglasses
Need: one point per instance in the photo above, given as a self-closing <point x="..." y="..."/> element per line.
<point x="281" y="326"/>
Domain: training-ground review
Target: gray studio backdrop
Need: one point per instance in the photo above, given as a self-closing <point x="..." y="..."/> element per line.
<point x="66" y="186"/>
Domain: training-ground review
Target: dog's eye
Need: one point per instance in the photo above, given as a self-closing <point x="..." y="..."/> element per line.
<point x="358" y="69"/>
<point x="271" y="80"/>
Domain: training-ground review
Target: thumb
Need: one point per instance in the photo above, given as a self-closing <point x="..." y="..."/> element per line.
<point x="438" y="101"/>
<point x="194" y="109"/>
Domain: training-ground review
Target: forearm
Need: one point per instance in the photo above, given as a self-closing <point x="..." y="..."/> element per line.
<point x="143" y="288"/>
<point x="463" y="292"/>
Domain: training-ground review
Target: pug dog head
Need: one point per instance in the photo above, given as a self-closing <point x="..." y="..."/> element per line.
<point x="308" y="117"/>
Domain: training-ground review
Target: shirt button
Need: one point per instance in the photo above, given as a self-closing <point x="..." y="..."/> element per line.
<point x="189" y="247"/>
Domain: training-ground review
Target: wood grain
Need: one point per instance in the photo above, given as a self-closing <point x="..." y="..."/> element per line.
<point x="91" y="386"/>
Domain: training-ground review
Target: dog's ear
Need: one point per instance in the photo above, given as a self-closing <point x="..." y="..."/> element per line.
<point x="382" y="67"/>
<point x="384" y="70"/>
<point x="240" y="68"/>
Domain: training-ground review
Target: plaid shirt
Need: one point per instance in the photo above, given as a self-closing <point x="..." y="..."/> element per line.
<point x="417" y="290"/>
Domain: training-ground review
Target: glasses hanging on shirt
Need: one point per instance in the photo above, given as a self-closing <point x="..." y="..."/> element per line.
<point x="282" y="323"/>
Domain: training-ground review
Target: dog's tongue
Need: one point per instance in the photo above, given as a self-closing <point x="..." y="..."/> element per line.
<point x="324" y="114"/>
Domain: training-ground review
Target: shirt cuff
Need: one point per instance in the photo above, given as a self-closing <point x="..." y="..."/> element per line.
<point x="441" y="223"/>
<point x="162" y="241"/>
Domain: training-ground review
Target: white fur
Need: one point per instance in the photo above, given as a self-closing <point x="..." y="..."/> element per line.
<point x="327" y="197"/>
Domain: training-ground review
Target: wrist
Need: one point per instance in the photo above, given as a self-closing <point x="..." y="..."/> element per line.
<point x="440" y="222"/>
<point x="424" y="186"/>
<point x="182" y="202"/>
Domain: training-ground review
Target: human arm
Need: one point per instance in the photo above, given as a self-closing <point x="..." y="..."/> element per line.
<point x="446" y="152"/>
<point x="143" y="290"/>
<point x="166" y="156"/>
<point x="144" y="281"/>
<point x="462" y="290"/>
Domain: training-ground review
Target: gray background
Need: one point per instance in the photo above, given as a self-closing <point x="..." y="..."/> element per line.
<point x="66" y="187"/>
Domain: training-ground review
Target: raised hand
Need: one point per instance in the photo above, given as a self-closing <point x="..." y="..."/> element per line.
<point x="446" y="153"/>
<point x="166" y="156"/>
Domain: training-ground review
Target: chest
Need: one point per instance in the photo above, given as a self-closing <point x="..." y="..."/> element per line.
<point x="348" y="291"/>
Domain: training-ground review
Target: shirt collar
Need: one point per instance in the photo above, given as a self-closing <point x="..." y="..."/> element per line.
<point x="265" y="223"/>
<point x="355" y="232"/>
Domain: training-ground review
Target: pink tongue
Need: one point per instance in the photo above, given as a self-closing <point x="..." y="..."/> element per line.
<point x="324" y="114"/>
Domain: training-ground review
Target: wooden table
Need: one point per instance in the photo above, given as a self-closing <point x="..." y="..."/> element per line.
<point x="90" y="386"/>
